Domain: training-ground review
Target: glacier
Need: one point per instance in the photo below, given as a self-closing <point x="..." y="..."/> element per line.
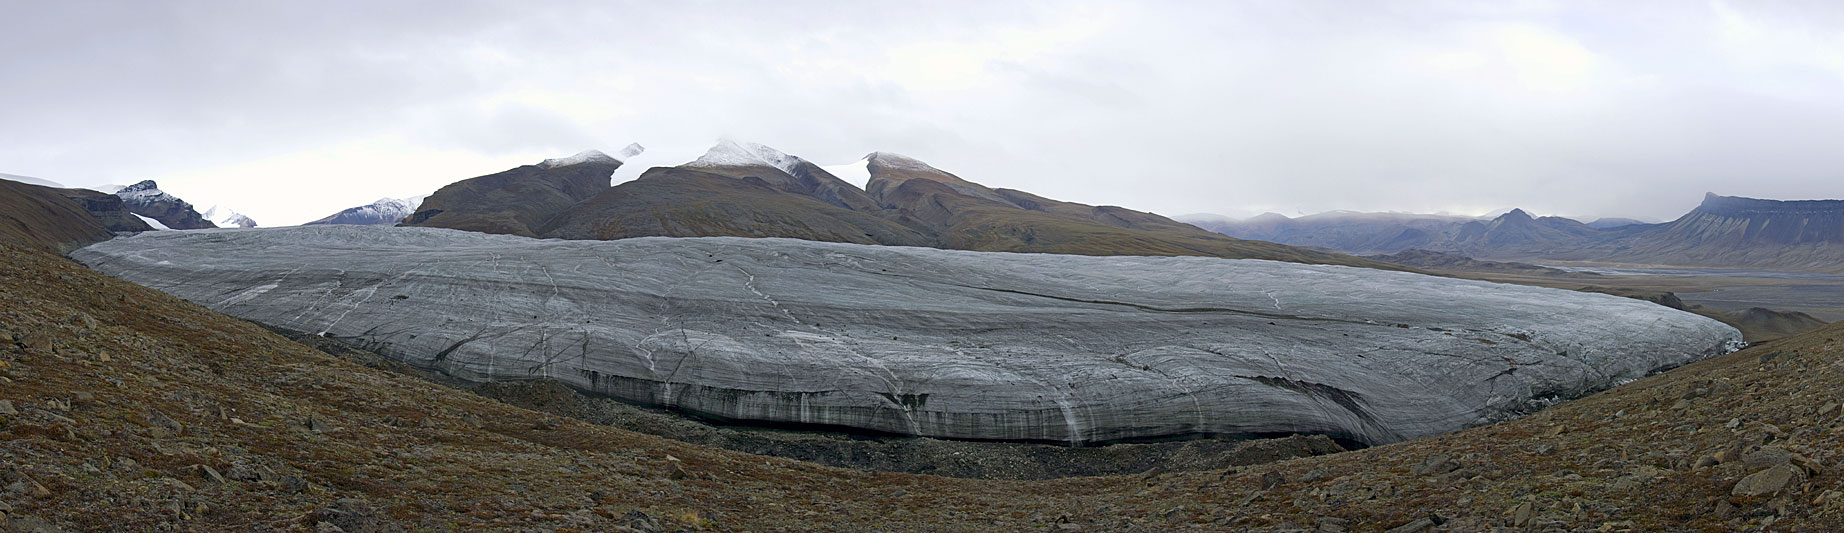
<point x="938" y="343"/>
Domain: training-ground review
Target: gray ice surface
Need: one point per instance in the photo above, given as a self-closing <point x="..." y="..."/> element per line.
<point x="931" y="342"/>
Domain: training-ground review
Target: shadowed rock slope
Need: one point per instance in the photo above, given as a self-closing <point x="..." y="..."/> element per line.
<point x="146" y="199"/>
<point x="125" y="408"/>
<point x="517" y="201"/>
<point x="108" y="209"/>
<point x="940" y="343"/>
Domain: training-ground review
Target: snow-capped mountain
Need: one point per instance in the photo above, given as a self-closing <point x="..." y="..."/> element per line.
<point x="146" y="199"/>
<point x="385" y="211"/>
<point x="730" y="153"/>
<point x="224" y="217"/>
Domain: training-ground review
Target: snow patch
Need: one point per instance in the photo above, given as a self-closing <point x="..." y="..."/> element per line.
<point x="586" y="156"/>
<point x="730" y="153"/>
<point x="856" y="172"/>
<point x="151" y="222"/>
<point x="895" y="160"/>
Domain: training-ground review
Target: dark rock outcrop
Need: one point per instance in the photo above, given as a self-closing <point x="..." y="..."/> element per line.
<point x="107" y="208"/>
<point x="146" y="199"/>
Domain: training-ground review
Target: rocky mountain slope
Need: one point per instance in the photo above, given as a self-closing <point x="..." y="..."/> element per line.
<point x="108" y="209"/>
<point x="146" y="199"/>
<point x="751" y="190"/>
<point x="125" y="408"/>
<point x="45" y="218"/>
<point x="385" y="211"/>
<point x="1736" y="232"/>
<point x="688" y="202"/>
<point x="517" y="201"/>
<point x="917" y="341"/>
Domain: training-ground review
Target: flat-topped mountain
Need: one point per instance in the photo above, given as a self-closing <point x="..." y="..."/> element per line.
<point x="1733" y="231"/>
<point x="517" y="201"/>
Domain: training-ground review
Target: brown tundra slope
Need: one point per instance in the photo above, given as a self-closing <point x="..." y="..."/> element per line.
<point x="122" y="408"/>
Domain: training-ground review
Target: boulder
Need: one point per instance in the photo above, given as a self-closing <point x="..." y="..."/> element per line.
<point x="1770" y="481"/>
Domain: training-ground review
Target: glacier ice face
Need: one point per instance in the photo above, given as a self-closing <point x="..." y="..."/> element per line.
<point x="932" y="342"/>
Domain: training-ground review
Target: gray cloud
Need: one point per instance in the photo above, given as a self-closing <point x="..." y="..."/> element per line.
<point x="1588" y="109"/>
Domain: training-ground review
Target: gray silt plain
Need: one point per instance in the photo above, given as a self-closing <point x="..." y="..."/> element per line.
<point x="939" y="343"/>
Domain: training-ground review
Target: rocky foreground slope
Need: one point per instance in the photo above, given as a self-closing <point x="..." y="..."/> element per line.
<point x="919" y="341"/>
<point x="123" y="408"/>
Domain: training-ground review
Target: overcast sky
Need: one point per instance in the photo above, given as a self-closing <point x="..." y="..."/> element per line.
<point x="289" y="111"/>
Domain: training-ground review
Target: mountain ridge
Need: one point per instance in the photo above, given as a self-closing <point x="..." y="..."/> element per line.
<point x="752" y="190"/>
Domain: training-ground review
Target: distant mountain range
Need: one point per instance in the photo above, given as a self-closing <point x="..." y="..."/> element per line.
<point x="751" y="190"/>
<point x="1724" y="231"/>
<point x="383" y="211"/>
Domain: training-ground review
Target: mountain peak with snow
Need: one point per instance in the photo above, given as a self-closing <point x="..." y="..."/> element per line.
<point x="586" y="156"/>
<point x="144" y="187"/>
<point x="224" y="217"/>
<point x="896" y="161"/>
<point x="146" y="199"/>
<point x="631" y="150"/>
<point x="728" y="153"/>
<point x="385" y="211"/>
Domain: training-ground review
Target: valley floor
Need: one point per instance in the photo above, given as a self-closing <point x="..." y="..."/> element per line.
<point x="122" y="408"/>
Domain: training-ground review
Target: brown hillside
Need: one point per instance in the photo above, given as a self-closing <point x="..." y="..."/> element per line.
<point x="517" y="201"/>
<point x="42" y="218"/>
<point x="682" y="202"/>
<point x="126" y="409"/>
<point x="969" y="216"/>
